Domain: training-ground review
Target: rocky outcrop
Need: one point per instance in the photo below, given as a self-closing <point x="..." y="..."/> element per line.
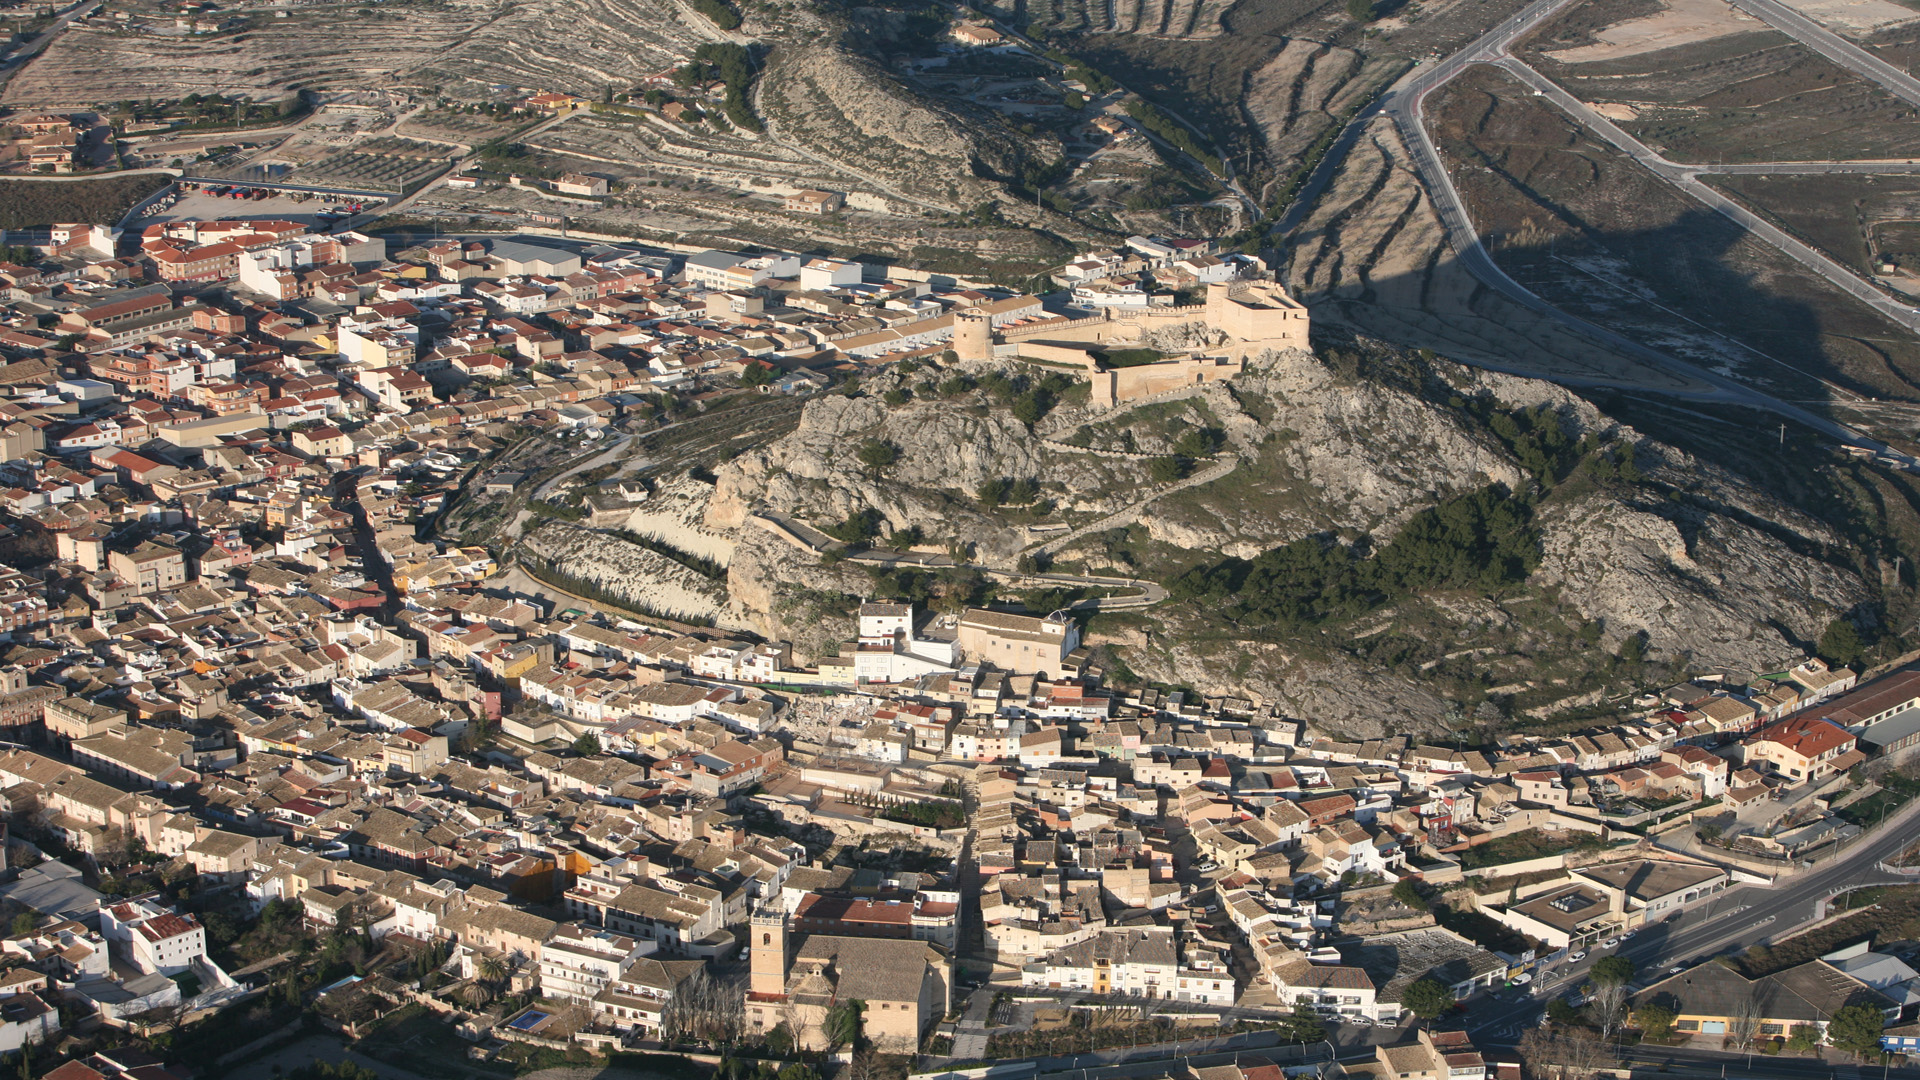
<point x="1325" y="454"/>
<point x="1726" y="594"/>
<point x="946" y="451"/>
<point x="1715" y="572"/>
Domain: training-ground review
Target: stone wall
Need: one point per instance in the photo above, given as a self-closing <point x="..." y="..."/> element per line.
<point x="1126" y="384"/>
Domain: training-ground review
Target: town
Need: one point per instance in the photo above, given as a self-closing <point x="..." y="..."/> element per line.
<point x="288" y="765"/>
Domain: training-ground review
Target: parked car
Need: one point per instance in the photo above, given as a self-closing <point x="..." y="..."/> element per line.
<point x="1521" y="979"/>
<point x="1576" y="957"/>
<point x="1610" y="943"/>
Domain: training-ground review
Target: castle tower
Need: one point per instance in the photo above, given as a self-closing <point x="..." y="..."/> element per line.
<point x="1219" y="305"/>
<point x="769" y="945"/>
<point x="973" y="335"/>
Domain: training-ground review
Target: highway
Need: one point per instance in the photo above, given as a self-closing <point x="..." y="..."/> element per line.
<point x="1741" y="916"/>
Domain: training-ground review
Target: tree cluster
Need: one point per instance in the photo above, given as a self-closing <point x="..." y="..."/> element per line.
<point x="1155" y="120"/>
<point x="733" y="64"/>
<point x="722" y="14"/>
<point x="1481" y="541"/>
<point x="999" y="492"/>
<point x="856" y="528"/>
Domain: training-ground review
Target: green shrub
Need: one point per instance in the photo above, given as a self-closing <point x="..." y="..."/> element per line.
<point x="722" y="14"/>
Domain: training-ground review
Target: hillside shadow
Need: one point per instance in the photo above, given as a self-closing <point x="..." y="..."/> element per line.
<point x="1674" y="289"/>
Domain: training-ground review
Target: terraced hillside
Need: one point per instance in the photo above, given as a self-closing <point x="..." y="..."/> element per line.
<point x="654" y="148"/>
<point x="1274" y="76"/>
<point x="1162" y="18"/>
<point x="320" y="48"/>
<point x="1309" y="88"/>
<point x="831" y="105"/>
<point x="459" y="47"/>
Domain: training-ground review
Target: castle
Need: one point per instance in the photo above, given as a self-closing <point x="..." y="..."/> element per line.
<point x="1254" y="316"/>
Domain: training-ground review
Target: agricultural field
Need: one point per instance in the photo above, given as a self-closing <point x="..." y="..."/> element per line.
<point x="464" y="128"/>
<point x="383" y="164"/>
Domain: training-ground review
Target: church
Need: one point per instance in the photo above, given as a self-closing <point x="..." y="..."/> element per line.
<point x="797" y="979"/>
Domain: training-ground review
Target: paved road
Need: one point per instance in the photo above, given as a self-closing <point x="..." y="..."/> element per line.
<point x="1743" y="915"/>
<point x="1805" y="168"/>
<point x="21" y="53"/>
<point x="1683" y="177"/>
<point x="1834" y="47"/>
<point x="587" y="461"/>
<point x="1404" y="106"/>
<point x="1687" y="1061"/>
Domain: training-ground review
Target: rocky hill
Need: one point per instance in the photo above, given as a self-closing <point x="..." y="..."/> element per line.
<point x="1647" y="563"/>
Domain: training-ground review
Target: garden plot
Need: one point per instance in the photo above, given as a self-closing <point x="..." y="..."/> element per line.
<point x="387" y="164"/>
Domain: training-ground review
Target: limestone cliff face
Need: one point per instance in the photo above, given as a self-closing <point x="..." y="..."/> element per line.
<point x="947" y="449"/>
<point x="1716" y="573"/>
<point x="780" y="594"/>
<point x="1320" y="454"/>
<point x="1696" y="582"/>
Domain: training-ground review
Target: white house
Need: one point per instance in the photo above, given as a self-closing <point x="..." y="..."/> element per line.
<point x="578" y="963"/>
<point x="829" y="274"/>
<point x="155" y="940"/>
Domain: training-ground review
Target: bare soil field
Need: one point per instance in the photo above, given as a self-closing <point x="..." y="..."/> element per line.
<point x="1590" y="231"/>
<point x="1738" y="97"/>
<point x="1680" y="22"/>
<point x="1897" y="45"/>
<point x="1853" y="16"/>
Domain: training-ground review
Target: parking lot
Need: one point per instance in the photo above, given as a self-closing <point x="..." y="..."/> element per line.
<point x="200" y="206"/>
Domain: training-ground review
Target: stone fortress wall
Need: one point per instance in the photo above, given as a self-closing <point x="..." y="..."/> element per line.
<point x="1255" y="316"/>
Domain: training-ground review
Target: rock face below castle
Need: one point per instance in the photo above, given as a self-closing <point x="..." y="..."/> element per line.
<point x="1310" y="452"/>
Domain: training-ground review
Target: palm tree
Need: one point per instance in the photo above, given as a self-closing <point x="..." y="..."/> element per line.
<point x="491" y="971"/>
